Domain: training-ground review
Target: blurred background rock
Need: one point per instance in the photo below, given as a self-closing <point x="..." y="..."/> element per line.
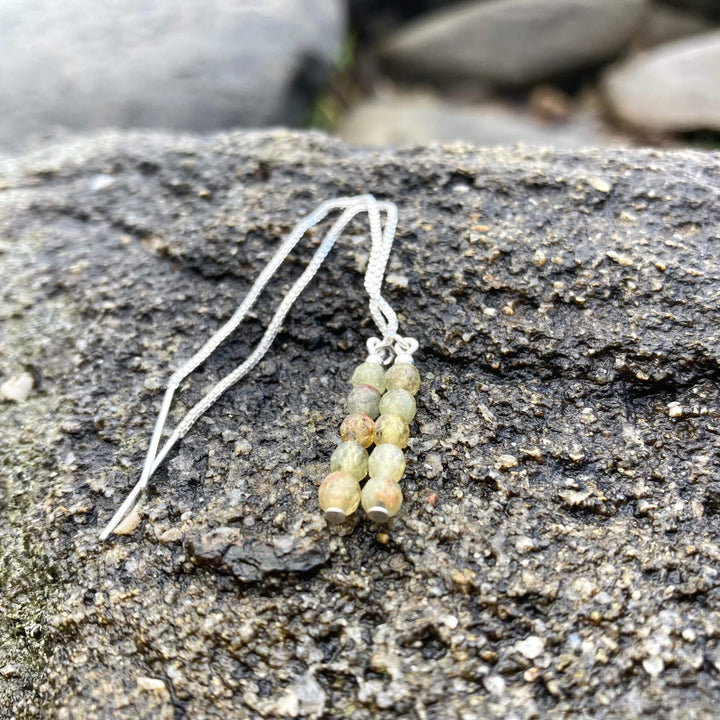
<point x="561" y="73"/>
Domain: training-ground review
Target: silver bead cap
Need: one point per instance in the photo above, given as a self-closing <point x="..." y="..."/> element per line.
<point x="375" y="358"/>
<point x="378" y="514"/>
<point x="335" y="516"/>
<point x="404" y="359"/>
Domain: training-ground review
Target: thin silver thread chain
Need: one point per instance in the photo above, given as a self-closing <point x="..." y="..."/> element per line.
<point x="384" y="316"/>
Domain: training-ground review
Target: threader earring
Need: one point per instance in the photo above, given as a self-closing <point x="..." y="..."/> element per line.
<point x="380" y="405"/>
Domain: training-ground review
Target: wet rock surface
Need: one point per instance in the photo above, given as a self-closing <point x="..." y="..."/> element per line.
<point x="557" y="554"/>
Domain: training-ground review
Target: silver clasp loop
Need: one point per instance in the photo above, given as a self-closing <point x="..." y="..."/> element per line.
<point x="380" y="351"/>
<point x="404" y="349"/>
<point x="406" y="346"/>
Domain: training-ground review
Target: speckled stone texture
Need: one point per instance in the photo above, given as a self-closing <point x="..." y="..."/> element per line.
<point x="558" y="550"/>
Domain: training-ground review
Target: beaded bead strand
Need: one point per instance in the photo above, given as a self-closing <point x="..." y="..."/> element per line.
<point x="338" y="496"/>
<point x="340" y="492"/>
<point x="380" y="406"/>
<point x="381" y="496"/>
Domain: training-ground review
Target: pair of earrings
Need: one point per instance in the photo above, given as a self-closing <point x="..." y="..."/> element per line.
<point x="380" y="408"/>
<point x="381" y="404"/>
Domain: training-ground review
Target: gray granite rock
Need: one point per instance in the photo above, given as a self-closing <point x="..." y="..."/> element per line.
<point x="186" y="64"/>
<point x="416" y="119"/>
<point x="674" y="87"/>
<point x="557" y="554"/>
<point x="513" y="42"/>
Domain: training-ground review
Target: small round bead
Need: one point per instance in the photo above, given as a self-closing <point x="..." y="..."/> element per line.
<point x="370" y="373"/>
<point x="386" y="461"/>
<point x="364" y="398"/>
<point x="381" y="499"/>
<point x="350" y="457"/>
<point x="398" y="402"/>
<point x="358" y="427"/>
<point x="392" y="429"/>
<point x="402" y="376"/>
<point x="339" y="496"/>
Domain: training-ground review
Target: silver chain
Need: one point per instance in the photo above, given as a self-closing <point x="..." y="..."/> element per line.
<point x="381" y="237"/>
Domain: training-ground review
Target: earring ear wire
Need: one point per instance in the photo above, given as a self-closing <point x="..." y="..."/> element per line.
<point x="385" y="349"/>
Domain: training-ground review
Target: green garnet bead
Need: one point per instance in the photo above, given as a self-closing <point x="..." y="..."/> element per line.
<point x="350" y="457"/>
<point x="398" y="402"/>
<point x="359" y="427"/>
<point x="366" y="399"/>
<point x="386" y="461"/>
<point x="392" y="429"/>
<point x="339" y="496"/>
<point x="370" y="374"/>
<point x="381" y="498"/>
<point x="403" y="376"/>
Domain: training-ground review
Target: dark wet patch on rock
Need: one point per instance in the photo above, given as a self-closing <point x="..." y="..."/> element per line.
<point x="250" y="560"/>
